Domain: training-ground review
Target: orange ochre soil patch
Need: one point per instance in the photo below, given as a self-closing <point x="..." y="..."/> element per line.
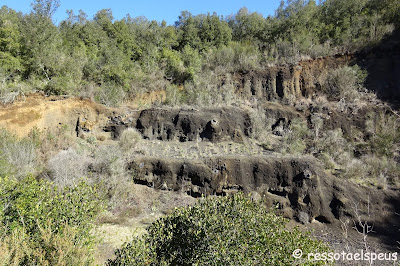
<point x="47" y="112"/>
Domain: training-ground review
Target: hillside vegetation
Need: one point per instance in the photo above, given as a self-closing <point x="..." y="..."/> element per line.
<point x="113" y="60"/>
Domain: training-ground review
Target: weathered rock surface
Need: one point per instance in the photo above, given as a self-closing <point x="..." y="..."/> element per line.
<point x="297" y="186"/>
<point x="281" y="82"/>
<point x="211" y="124"/>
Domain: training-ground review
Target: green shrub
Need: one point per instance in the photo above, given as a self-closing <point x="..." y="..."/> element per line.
<point x="218" y="231"/>
<point x="209" y="90"/>
<point x="192" y="62"/>
<point x="129" y="139"/>
<point x="18" y="248"/>
<point x="333" y="148"/>
<point x="222" y="57"/>
<point x="143" y="81"/>
<point x="110" y="94"/>
<point x="61" y="85"/>
<point x="295" y="139"/>
<point x="12" y="88"/>
<point x="17" y="156"/>
<point x="174" y="95"/>
<point x="30" y="203"/>
<point x="261" y="126"/>
<point x="384" y="131"/>
<point x="174" y="66"/>
<point x="376" y="171"/>
<point x="344" y="83"/>
<point x="238" y="56"/>
<point x="108" y="169"/>
<point x="49" y="142"/>
<point x="67" y="167"/>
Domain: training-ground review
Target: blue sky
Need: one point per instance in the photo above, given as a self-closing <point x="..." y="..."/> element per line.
<point x="152" y="9"/>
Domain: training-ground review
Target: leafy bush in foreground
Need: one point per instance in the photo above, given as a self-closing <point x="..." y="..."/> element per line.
<point x="51" y="248"/>
<point x="218" y="231"/>
<point x="46" y="222"/>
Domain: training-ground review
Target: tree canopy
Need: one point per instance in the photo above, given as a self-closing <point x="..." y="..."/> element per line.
<point x="132" y="53"/>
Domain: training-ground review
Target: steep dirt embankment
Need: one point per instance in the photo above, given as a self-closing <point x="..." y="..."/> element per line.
<point x="51" y="112"/>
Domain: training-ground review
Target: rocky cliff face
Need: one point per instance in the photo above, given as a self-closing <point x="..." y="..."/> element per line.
<point x="304" y="79"/>
<point x="295" y="184"/>
<point x="281" y="82"/>
<point x="297" y="187"/>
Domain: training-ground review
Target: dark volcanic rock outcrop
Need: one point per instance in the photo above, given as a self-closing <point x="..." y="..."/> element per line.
<point x="298" y="186"/>
<point x="211" y="124"/>
<point x="205" y="124"/>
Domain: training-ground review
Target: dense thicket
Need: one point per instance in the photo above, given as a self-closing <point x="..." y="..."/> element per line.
<point x="232" y="230"/>
<point x="41" y="224"/>
<point x="112" y="59"/>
